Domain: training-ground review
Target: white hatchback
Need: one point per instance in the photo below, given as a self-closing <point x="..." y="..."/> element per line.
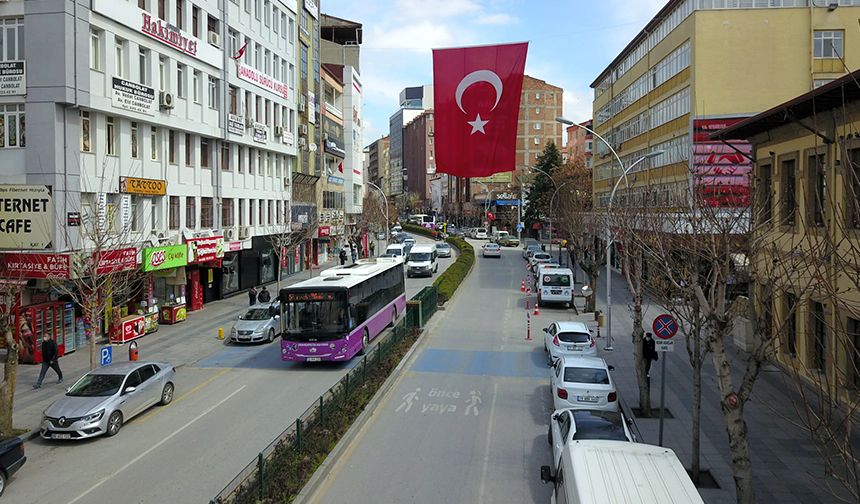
<point x="480" y="234"/>
<point x="539" y="258"/>
<point x="568" y="338"/>
<point x="583" y="382"/>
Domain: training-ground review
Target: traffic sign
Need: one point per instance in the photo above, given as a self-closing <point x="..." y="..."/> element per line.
<point x="519" y="227"/>
<point x="107" y="355"/>
<point x="665" y="326"/>
<point x="664" y="345"/>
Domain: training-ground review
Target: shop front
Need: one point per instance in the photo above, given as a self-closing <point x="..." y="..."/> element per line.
<point x="165" y="268"/>
<point x="205" y="262"/>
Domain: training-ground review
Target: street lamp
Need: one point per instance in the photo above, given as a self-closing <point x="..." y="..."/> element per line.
<point x="624" y="173"/>
<point x="486" y="200"/>
<point x="550" y="204"/>
<point x="550" y="220"/>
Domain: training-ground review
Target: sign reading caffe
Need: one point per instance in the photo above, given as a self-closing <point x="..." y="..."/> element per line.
<point x="145" y="187"/>
<point x="166" y="257"/>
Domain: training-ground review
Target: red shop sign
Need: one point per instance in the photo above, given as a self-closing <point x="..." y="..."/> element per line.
<point x="202" y="250"/>
<point x="324" y="231"/>
<point x="112" y="261"/>
<point x="34" y="265"/>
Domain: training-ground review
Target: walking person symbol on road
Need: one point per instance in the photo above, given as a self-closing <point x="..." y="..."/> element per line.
<point x="49" y="360"/>
<point x="408" y="399"/>
<point x="474" y="401"/>
<point x="649" y="352"/>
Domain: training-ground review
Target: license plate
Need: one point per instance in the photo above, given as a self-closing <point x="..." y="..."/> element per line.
<point x="61" y="436"/>
<point x="573" y="348"/>
<point x="587" y="398"/>
<point x="555" y="292"/>
<point x="313" y="359"/>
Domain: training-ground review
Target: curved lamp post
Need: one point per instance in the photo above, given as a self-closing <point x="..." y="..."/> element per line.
<point x="385" y="202"/>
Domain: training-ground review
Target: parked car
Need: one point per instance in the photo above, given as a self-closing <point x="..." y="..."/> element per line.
<point x="397" y="250"/>
<point x="11" y="459"/>
<point x="443" y="250"/>
<point x="498" y="235"/>
<point x="539" y="258"/>
<point x="508" y="241"/>
<point x="570" y="424"/>
<point x="408" y="243"/>
<point x="583" y="382"/>
<point x="421" y="261"/>
<point x="480" y="234"/>
<point x="101" y="401"/>
<point x="568" y="338"/>
<point x="261" y="322"/>
<point x="554" y="285"/>
<point x="530" y="249"/>
<point x="491" y="250"/>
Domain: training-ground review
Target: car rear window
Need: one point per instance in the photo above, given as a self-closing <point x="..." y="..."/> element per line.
<point x="586" y="375"/>
<point x="574" y="337"/>
<point x="556" y="280"/>
<point x="599" y="425"/>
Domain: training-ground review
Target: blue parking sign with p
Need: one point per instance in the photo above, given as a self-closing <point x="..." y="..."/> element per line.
<point x="107" y="355"/>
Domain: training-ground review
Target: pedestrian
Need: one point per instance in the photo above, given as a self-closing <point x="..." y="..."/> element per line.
<point x="252" y="296"/>
<point x="342" y="256"/>
<point x="354" y="250"/>
<point x="372" y="249"/>
<point x="264" y="296"/>
<point x="649" y="352"/>
<point x="50" y="357"/>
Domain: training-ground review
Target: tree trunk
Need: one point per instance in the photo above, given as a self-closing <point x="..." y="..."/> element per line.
<point x="733" y="414"/>
<point x="591" y="302"/>
<point x="639" y="358"/>
<point x="695" y="466"/>
<point x="7" y="387"/>
<point x="91" y="317"/>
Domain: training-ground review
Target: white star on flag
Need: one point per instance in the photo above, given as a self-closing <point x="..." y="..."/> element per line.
<point x="477" y="125"/>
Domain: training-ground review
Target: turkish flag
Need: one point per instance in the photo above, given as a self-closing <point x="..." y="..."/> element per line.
<point x="476" y="106"/>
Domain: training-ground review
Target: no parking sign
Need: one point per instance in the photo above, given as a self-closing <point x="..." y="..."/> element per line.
<point x="665" y="328"/>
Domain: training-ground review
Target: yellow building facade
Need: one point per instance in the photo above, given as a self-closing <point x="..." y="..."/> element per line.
<point x="806" y="237"/>
<point x="699" y="66"/>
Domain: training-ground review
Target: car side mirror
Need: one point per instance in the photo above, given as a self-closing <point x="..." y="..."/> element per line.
<point x="546" y="474"/>
<point x="68" y="389"/>
<point x="611" y="368"/>
<point x="546" y="329"/>
<point x="129" y="390"/>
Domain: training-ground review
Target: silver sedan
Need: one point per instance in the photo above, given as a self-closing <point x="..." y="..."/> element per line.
<point x="103" y="399"/>
<point x="260" y="322"/>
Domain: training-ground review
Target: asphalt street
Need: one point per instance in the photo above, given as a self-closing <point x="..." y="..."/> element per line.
<point x="231" y="401"/>
<point x="467" y="419"/>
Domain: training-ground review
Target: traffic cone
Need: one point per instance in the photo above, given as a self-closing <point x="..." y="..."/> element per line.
<point x="537" y="310"/>
<point x="523" y="285"/>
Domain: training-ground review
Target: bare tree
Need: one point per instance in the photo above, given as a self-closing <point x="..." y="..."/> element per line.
<point x="10" y="296"/>
<point x="287" y="236"/>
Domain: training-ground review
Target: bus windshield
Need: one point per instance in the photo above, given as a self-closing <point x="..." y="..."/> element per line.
<point x="316" y="320"/>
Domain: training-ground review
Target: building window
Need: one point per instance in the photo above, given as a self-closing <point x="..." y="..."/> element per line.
<point x="119" y="56"/>
<point x="791" y="324"/>
<point x="191" y="212"/>
<point x="95" y="50"/>
<point x="153" y="142"/>
<point x="173" y="213"/>
<point x="818" y="329"/>
<point x="204" y="152"/>
<point x="171" y="147"/>
<point x="225" y="156"/>
<point x="143" y="65"/>
<point x="241" y="156"/>
<point x="180" y="14"/>
<point x="789" y="189"/>
<point x="242" y="218"/>
<point x="189" y="158"/>
<point x="180" y="80"/>
<point x="266" y="9"/>
<point x="292" y="34"/>
<point x="213" y="93"/>
<point x="303" y="23"/>
<point x="12" y="126"/>
<point x="135" y="151"/>
<point x="212" y="26"/>
<point x="196" y="87"/>
<point x="227" y="212"/>
<point x="195" y="21"/>
<point x="207" y="212"/>
<point x="764" y="193"/>
<point x="234" y="100"/>
<point x="828" y="44"/>
<point x="134" y="208"/>
<point x="86" y="146"/>
<point x="817" y="83"/>
<point x="162" y="73"/>
<point x="852" y="190"/>
<point x="12" y="39"/>
<point x="815" y="190"/>
<point x="537" y="125"/>
<point x="141" y="4"/>
<point x="110" y="131"/>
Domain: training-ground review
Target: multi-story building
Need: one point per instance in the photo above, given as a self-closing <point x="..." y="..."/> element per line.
<point x="413" y="100"/>
<point x="806" y="208"/>
<point x="700" y="65"/>
<point x="377" y="163"/>
<point x="150" y="128"/>
<point x="331" y="215"/>
<point x="580" y="144"/>
<point x="418" y="158"/>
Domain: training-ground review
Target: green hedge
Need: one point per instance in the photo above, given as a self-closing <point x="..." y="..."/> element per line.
<point x="450" y="279"/>
<point x="412" y="228"/>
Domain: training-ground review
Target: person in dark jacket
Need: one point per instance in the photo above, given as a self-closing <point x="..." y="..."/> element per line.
<point x="252" y="296"/>
<point x="50" y="356"/>
<point x="264" y="296"/>
<point x="649" y="352"/>
<point x="342" y="256"/>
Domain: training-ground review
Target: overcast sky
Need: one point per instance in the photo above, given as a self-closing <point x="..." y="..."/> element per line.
<point x="570" y="42"/>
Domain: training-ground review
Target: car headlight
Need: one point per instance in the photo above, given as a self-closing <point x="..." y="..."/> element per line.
<point x="258" y="330"/>
<point x="233" y="331"/>
<point x="95" y="417"/>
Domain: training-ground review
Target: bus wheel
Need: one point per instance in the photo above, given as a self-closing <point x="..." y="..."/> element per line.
<point x="365" y="342"/>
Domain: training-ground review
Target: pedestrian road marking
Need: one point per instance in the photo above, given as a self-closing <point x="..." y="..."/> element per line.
<point x="474" y="401"/>
<point x="413" y="399"/>
<point x="408" y="399"/>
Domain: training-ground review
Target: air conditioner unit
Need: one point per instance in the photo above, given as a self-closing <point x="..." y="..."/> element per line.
<point x="165" y="100"/>
<point x="286" y="182"/>
<point x="303" y="129"/>
<point x="279" y="131"/>
<point x="249" y="122"/>
<point x="214" y="39"/>
<point x="303" y="143"/>
<point x="244" y="232"/>
<point x="230" y="233"/>
<point x="302" y="107"/>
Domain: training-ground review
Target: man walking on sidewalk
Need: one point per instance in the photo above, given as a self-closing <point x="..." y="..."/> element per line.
<point x="50" y="357"/>
<point x="252" y="296"/>
<point x="264" y="296"/>
<point x="649" y="352"/>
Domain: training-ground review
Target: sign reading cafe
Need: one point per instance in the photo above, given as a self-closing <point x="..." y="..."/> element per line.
<point x="133" y="96"/>
<point x="26" y="217"/>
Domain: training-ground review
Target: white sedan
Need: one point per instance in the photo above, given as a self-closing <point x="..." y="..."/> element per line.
<point x="568" y="338"/>
<point x="584" y="383"/>
<point x="571" y="424"/>
<point x="491" y="250"/>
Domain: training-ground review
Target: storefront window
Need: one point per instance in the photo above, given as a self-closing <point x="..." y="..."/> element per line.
<point x="267" y="266"/>
<point x="230" y="272"/>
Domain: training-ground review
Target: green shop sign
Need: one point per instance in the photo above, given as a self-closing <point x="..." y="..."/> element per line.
<point x="166" y="257"/>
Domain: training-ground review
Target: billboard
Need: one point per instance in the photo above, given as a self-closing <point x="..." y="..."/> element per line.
<point x="26" y="217"/>
<point x="497" y="178"/>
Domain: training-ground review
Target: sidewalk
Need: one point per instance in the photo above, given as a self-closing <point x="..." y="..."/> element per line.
<point x="180" y="344"/>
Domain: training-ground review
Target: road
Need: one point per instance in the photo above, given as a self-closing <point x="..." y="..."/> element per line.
<point x="231" y="401"/>
<point x="467" y="419"/>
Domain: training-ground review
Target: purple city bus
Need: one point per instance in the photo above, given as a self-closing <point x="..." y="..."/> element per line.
<point x="336" y="315"/>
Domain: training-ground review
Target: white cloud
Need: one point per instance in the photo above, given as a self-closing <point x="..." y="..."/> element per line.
<point x="424" y="9"/>
<point x="419" y="36"/>
<point x="497" y="19"/>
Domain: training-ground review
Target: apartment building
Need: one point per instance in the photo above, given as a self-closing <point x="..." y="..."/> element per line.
<point x="377" y="163"/>
<point x="413" y="101"/>
<point x="418" y="158"/>
<point x="580" y="144"/>
<point x="699" y="66"/>
<point x="151" y="127"/>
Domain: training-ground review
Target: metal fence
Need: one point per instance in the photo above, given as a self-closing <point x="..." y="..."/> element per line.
<point x="256" y="481"/>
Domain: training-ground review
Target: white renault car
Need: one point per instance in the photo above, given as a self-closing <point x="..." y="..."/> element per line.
<point x="583" y="382"/>
<point x="571" y="424"/>
<point x="568" y="339"/>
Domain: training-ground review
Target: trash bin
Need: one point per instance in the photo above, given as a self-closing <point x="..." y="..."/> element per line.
<point x="132" y="351"/>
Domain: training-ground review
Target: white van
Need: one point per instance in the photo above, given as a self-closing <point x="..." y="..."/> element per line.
<point x="554" y="285"/>
<point x="600" y="471"/>
<point x="397" y="250"/>
<point x="421" y="260"/>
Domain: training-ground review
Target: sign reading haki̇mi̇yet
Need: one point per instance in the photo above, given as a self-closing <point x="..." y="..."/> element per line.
<point x="476" y="96"/>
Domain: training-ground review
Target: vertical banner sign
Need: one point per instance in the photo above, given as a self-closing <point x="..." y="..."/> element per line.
<point x="101" y="209"/>
<point x="26" y="217"/>
<point x="476" y="95"/>
<point x="125" y="211"/>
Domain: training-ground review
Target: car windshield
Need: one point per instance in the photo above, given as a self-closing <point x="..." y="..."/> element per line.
<point x="316" y="320"/>
<point x="491" y="246"/>
<point x="419" y="256"/>
<point x="480" y="230"/>
<point x="534" y="248"/>
<point x="586" y="375"/>
<point x="96" y="385"/>
<point x="256" y="314"/>
<point x="599" y="425"/>
<point x="556" y="280"/>
<point x="394" y="251"/>
<point x="542" y="257"/>
<point x="443" y="246"/>
<point x="574" y="337"/>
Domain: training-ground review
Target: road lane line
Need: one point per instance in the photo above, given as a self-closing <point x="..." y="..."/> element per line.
<point x="153" y="447"/>
<point x="487" y="444"/>
<point x="199" y="386"/>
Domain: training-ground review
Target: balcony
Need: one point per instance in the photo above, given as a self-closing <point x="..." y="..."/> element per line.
<point x="333" y="110"/>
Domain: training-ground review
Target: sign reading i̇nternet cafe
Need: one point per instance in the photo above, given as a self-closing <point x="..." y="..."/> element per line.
<point x="13" y="78"/>
<point x="26" y="217"/>
<point x="132" y="96"/>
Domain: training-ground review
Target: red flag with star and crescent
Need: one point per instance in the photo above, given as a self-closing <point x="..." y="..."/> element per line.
<point x="476" y="95"/>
